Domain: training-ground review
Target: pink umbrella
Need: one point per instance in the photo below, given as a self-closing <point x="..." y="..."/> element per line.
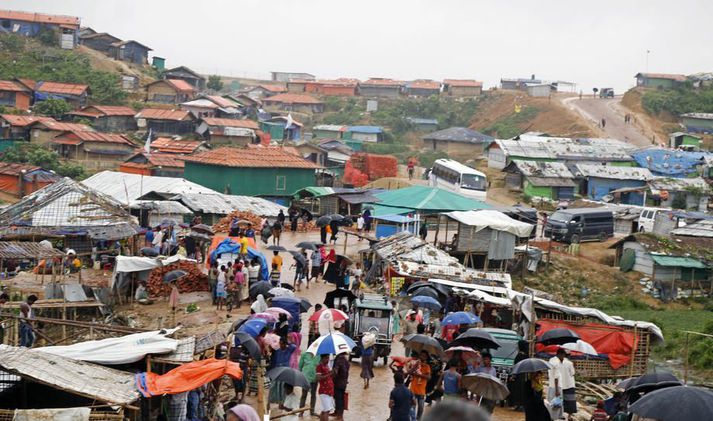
<point x="467" y="353"/>
<point x="334" y="314"/>
<point x="277" y="311"/>
<point x="270" y="317"/>
<point x="272" y="340"/>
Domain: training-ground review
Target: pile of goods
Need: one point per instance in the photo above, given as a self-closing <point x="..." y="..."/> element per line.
<point x="223" y="225"/>
<point x="194" y="281"/>
<point x="363" y="167"/>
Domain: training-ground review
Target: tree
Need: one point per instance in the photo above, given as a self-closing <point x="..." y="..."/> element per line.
<point x="595" y="90"/>
<point x="52" y="107"/>
<point x="215" y="83"/>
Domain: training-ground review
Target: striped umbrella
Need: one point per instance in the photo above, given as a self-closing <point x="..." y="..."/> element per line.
<point x="334" y="343"/>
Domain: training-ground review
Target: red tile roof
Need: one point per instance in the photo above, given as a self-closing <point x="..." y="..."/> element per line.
<point x="382" y="82"/>
<point x="292" y="99"/>
<point x="181" y="85"/>
<point x="465" y="83"/>
<point x="61" y="126"/>
<point x="676" y="77"/>
<point x="23" y="120"/>
<point x="424" y="84"/>
<point x="11" y="168"/>
<point x="252" y="157"/>
<point x="62" y="88"/>
<point x="159" y="114"/>
<point x="105" y="111"/>
<point x="40" y="18"/>
<point x="230" y="122"/>
<point x="9" y="85"/>
<point x="168" y="145"/>
<point x="85" y="136"/>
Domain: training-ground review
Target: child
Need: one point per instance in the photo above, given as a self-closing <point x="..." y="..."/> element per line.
<point x="275" y="275"/>
<point x="291" y="402"/>
<point x="220" y="288"/>
<point x="599" y="414"/>
<point x="231" y="290"/>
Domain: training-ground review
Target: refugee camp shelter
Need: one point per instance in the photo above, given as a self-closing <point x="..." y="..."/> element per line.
<point x="30" y="24"/>
<point x="213" y="106"/>
<point x="107" y="118"/>
<point x="15" y="95"/>
<point x="423" y="87"/>
<point x="598" y="181"/>
<point x="686" y="141"/>
<point x="698" y="122"/>
<point x="99" y="41"/>
<point x="176" y="146"/>
<point x="251" y="171"/>
<point x="380" y="87"/>
<point x="423" y="124"/>
<point x="295" y="102"/>
<point x="96" y="150"/>
<point x="130" y="51"/>
<point x="170" y="91"/>
<point x="358" y="134"/>
<point x="70" y="209"/>
<point x="19" y="180"/>
<point x="212" y="207"/>
<point x="187" y="75"/>
<point x="152" y="213"/>
<point x="548" y="180"/>
<point x="260" y="92"/>
<point x="73" y="93"/>
<point x="424" y="200"/>
<point x="328" y="131"/>
<point x="17" y="127"/>
<point x="287" y="76"/>
<point x="462" y="87"/>
<point x="44" y="131"/>
<point x="325" y="200"/>
<point x="681" y="193"/>
<point x="457" y="140"/>
<point x="280" y="128"/>
<point x="228" y="131"/>
<point x="671" y="163"/>
<point x="659" y="80"/>
<point x="165" y="122"/>
<point x="157" y="164"/>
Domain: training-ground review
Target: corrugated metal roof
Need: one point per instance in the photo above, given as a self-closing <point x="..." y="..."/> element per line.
<point x="168" y="145"/>
<point x="61" y="126"/>
<point x="417" y="120"/>
<point x="26" y="250"/>
<point x="62" y="88"/>
<point x="678" y="184"/>
<point x="40" y="18"/>
<point x="161" y="206"/>
<point x="591" y="149"/>
<point x="288" y="98"/>
<point x="696" y="229"/>
<point x="613" y="172"/>
<point x="464" y="83"/>
<point x="459" y="134"/>
<point x="700" y="116"/>
<point x="230" y="122"/>
<point x="126" y="188"/>
<point x="8" y="85"/>
<point x="365" y="129"/>
<point x="383" y="82"/>
<point x="424" y="84"/>
<point x="100" y="137"/>
<point x="200" y="102"/>
<point x="551" y="181"/>
<point x="24" y="120"/>
<point x="543" y="169"/>
<point x="180" y="85"/>
<point x="672" y="76"/>
<point x="159" y="114"/>
<point x="330" y="127"/>
<point x="677" y="261"/>
<point x="262" y="157"/>
<point x="223" y="204"/>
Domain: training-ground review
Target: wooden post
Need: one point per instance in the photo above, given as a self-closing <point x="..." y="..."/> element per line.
<point x="64" y="317"/>
<point x="16" y="334"/>
<point x="524" y="261"/>
<point x="633" y="353"/>
<point x="260" y="390"/>
<point x="685" y="362"/>
<point x="346" y="237"/>
<point x="438" y="229"/>
<point x="549" y="255"/>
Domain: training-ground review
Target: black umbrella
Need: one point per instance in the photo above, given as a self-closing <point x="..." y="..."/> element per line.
<point x="336" y="217"/>
<point x="476" y="338"/>
<point x="442" y="289"/>
<point x="337" y="295"/>
<point x="653" y="381"/>
<point x="675" y="403"/>
<point x="174" y="275"/>
<point x="288" y="375"/>
<point x="199" y="236"/>
<point x="248" y="342"/>
<point x="258" y="288"/>
<point x="559" y="336"/>
<point x="624" y="384"/>
<point x="276" y="248"/>
<point x="149" y="252"/>
<point x="299" y="257"/>
<point x="418" y="342"/>
<point x="168" y="222"/>
<point x="207" y="229"/>
<point x="303" y="302"/>
<point x="530" y="365"/>
<point x="323" y="221"/>
<point x="427" y="292"/>
<point x="305" y="305"/>
<point x="287" y="285"/>
<point x="308" y="245"/>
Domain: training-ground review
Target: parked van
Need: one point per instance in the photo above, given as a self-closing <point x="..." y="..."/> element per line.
<point x="647" y="218"/>
<point x="576" y="225"/>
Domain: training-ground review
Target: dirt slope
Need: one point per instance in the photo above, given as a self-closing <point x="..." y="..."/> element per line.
<point x="551" y="116"/>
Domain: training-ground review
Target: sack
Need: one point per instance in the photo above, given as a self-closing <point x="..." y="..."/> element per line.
<point x="369" y="339"/>
<point x="346" y="401"/>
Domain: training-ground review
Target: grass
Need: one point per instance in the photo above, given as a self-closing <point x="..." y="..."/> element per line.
<point x="510" y="126"/>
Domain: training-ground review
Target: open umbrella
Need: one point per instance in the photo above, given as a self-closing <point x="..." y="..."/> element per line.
<point x="203" y="228"/>
<point x="334" y="343"/>
<point x="460" y="318"/>
<point x="258" y="288"/>
<point x="466" y="352"/>
<point x="149" y="252"/>
<point x="200" y="236"/>
<point x="581" y="347"/>
<point x="530" y="365"/>
<point x="281" y="292"/>
<point x="334" y="314"/>
<point x="559" y="336"/>
<point x="268" y="317"/>
<point x="338" y="295"/>
<point x="426" y="302"/>
<point x="323" y="221"/>
<point x="305" y="305"/>
<point x="308" y="245"/>
<point x="476" y="338"/>
<point x="336" y="217"/>
<point x="442" y="289"/>
<point x="253" y="327"/>
<point x="288" y="375"/>
<point x="400" y="361"/>
<point x="276" y="248"/>
<point x="485" y="386"/>
<point x="653" y="381"/>
<point x="174" y="275"/>
<point x="287" y="285"/>
<point x="303" y="302"/>
<point x="426" y="292"/>
<point x="299" y="257"/>
<point x="419" y="342"/>
<point x="248" y="342"/>
<point x="624" y="384"/>
<point x="167" y="222"/>
<point x="278" y="311"/>
<point x="675" y="403"/>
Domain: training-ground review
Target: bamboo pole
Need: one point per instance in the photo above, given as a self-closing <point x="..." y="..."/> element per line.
<point x="685" y="362"/>
<point x="261" y="390"/>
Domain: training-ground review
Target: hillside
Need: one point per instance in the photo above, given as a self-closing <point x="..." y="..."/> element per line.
<point x="497" y="116"/>
<point x="660" y="124"/>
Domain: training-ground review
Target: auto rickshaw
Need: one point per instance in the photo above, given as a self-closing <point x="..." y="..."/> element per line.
<point x="372" y="313"/>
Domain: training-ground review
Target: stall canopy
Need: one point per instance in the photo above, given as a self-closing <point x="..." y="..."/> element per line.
<point x="427" y="200"/>
<point x="677" y="261"/>
<point x="122" y="350"/>
<point x="102" y="384"/>
<point x="492" y="219"/>
<point x="186" y="377"/>
<point x="128" y="264"/>
<point x="231" y="246"/>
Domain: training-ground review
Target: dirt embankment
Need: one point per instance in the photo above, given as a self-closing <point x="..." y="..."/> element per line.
<point x="552" y="117"/>
<point x="661" y="125"/>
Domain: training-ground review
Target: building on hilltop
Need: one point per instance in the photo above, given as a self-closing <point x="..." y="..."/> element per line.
<point x="462" y="87"/>
<point x="457" y="140"/>
<point x="165" y="122"/>
<point x="184" y="73"/>
<point x="130" y="51"/>
<point x="170" y="91"/>
<point x="380" y="87"/>
<point x="287" y="76"/>
<point x="64" y="28"/>
<point x="107" y="118"/>
<point x="659" y="80"/>
<point x="75" y="94"/>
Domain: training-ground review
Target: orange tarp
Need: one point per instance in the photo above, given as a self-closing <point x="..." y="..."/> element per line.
<point x="614" y="341"/>
<point x="186" y="377"/>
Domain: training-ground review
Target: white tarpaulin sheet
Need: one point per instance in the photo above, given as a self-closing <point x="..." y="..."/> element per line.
<point x="495" y="220"/>
<point x="122" y="350"/>
<point x="126" y="264"/>
<point x="58" y="414"/>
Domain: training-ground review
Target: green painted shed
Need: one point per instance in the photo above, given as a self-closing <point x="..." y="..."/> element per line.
<point x="252" y="171"/>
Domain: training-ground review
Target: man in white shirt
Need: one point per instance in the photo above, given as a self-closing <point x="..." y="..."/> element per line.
<point x="562" y="383"/>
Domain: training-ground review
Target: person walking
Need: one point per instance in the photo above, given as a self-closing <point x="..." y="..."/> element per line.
<point x="325" y="376"/>
<point x="420" y="375"/>
<point x="220" y="292"/>
<point x="253" y="271"/>
<point x="562" y="383"/>
<point x="487" y="368"/>
<point x="341" y="379"/>
<point x="316" y="264"/>
<point x="410" y="327"/>
<point x="27" y="334"/>
<point x="367" y="361"/>
<point x="535" y="409"/>
<point x="308" y="366"/>
<point x="400" y="400"/>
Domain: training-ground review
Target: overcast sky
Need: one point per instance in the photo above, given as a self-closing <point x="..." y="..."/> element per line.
<point x="599" y="43"/>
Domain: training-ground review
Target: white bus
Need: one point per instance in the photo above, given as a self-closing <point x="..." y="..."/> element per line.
<point x="456" y="177"/>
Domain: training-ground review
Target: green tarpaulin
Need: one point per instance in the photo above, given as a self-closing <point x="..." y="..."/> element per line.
<point x="677" y="261"/>
<point x="426" y="200"/>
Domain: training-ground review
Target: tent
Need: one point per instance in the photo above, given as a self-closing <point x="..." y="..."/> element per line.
<point x="426" y="200"/>
<point x="492" y="219"/>
<point x="229" y="245"/>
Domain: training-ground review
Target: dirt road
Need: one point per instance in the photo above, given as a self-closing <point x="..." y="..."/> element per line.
<point x="595" y="109"/>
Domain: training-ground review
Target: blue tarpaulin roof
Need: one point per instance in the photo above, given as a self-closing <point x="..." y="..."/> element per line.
<point x="365" y="129"/>
<point x="669" y="162"/>
<point x="230" y="246"/>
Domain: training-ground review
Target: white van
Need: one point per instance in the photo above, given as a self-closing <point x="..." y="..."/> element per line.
<point x="647" y="219"/>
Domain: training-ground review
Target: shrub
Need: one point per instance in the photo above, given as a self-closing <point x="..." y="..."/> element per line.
<point x="52" y="107"/>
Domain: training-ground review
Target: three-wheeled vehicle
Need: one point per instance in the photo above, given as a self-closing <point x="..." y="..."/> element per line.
<point x="372" y="313"/>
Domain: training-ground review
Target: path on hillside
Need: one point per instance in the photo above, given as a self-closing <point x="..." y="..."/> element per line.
<point x="596" y="109"/>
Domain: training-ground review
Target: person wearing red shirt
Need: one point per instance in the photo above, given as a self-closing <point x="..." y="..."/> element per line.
<point x="326" y="387"/>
